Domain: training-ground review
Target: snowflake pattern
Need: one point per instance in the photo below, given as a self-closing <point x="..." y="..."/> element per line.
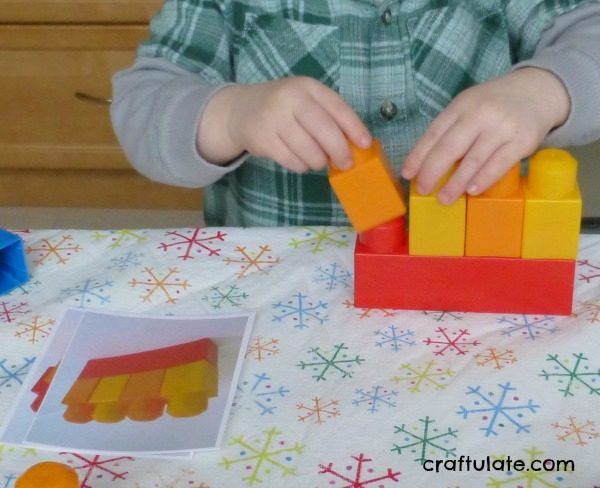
<point x="319" y="410"/>
<point x="15" y="373"/>
<point x="121" y="237"/>
<point x="23" y="451"/>
<point x="155" y="283"/>
<point x="442" y="315"/>
<point x="420" y="378"/>
<point x="497" y="410"/>
<point x="446" y="341"/>
<point x="324" y="362"/>
<point x="220" y="298"/>
<point x="188" y="241"/>
<point x="263" y="456"/>
<point x="317" y="239"/>
<point x="9" y="311"/>
<point x="528" y="478"/>
<point x="425" y="440"/>
<point x="26" y="288"/>
<point x="592" y="271"/>
<point x="358" y="479"/>
<point x="375" y="397"/>
<point x="8" y="480"/>
<point x="333" y="276"/>
<point x="498" y="359"/>
<point x="60" y="251"/>
<point x="591" y="309"/>
<point x="183" y="479"/>
<point x="394" y="338"/>
<point x="300" y="311"/>
<point x="129" y="259"/>
<point x="365" y="313"/>
<point x="529" y="327"/>
<point x="260" y="261"/>
<point x="261" y="393"/>
<point x="581" y="434"/>
<point x="95" y="467"/>
<point x="576" y="378"/>
<point x="261" y="349"/>
<point x="88" y="292"/>
<point x="35" y="328"/>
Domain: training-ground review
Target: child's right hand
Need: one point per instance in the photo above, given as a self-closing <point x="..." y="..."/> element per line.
<point x="298" y="122"/>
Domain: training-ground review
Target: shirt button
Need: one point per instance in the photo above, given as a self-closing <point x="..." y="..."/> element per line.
<point x="386" y="16"/>
<point x="388" y="110"/>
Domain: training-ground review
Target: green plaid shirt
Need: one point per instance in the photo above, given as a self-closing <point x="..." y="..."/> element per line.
<point x="414" y="54"/>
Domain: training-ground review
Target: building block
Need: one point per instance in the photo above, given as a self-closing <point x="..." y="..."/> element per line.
<point x="466" y="284"/>
<point x="553" y="207"/>
<point x="48" y="474"/>
<point x="141" y="395"/>
<point x="106" y="399"/>
<point x="495" y="218"/>
<point x="187" y="388"/>
<point x="388" y="237"/>
<point x="180" y="378"/>
<point x="13" y="266"/>
<point x="41" y="387"/>
<point x="435" y="229"/>
<point x="368" y="191"/>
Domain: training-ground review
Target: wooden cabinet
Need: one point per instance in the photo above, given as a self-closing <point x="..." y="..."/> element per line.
<point x="57" y="146"/>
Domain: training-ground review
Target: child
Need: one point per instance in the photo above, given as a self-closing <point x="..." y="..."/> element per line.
<point x="250" y="99"/>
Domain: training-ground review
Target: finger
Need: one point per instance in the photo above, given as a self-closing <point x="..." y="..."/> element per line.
<point x="344" y="116"/>
<point x="304" y="146"/>
<point x="495" y="168"/>
<point x="479" y="153"/>
<point x="436" y="130"/>
<point x="451" y="147"/>
<point x="323" y="128"/>
<point x="283" y="155"/>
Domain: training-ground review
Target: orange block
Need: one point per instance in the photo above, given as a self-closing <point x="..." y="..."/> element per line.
<point x="368" y="191"/>
<point x="79" y="410"/>
<point x="495" y="218"/>
<point x="141" y="395"/>
<point x="48" y="474"/>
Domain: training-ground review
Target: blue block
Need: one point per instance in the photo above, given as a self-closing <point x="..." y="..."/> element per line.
<point x="13" y="267"/>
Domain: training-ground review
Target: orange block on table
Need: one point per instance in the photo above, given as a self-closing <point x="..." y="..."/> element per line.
<point x="369" y="192"/>
<point x="495" y="218"/>
<point x="48" y="474"/>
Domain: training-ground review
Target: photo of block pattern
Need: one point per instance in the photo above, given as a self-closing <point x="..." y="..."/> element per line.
<point x="142" y="385"/>
<point x="486" y="253"/>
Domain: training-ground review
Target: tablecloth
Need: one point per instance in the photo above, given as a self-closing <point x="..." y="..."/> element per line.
<point x="330" y="395"/>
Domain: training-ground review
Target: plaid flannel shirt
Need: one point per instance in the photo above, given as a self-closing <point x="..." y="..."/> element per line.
<point x="398" y="63"/>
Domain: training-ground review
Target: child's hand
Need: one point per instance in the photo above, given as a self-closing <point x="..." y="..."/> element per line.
<point x="490" y="127"/>
<point x="298" y="122"/>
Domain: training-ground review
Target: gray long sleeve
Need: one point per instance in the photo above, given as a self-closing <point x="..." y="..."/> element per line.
<point x="156" y="110"/>
<point x="570" y="48"/>
<point x="157" y="105"/>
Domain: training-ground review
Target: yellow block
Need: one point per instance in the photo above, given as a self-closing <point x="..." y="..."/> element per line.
<point x="188" y="387"/>
<point x="553" y="205"/>
<point x="435" y="229"/>
<point x="107" y="399"/>
<point x="369" y="192"/>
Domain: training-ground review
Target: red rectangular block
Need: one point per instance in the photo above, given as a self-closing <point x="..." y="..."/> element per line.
<point x="165" y="357"/>
<point x="466" y="284"/>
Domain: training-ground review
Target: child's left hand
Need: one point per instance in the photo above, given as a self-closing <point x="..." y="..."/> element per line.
<point x="490" y="127"/>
